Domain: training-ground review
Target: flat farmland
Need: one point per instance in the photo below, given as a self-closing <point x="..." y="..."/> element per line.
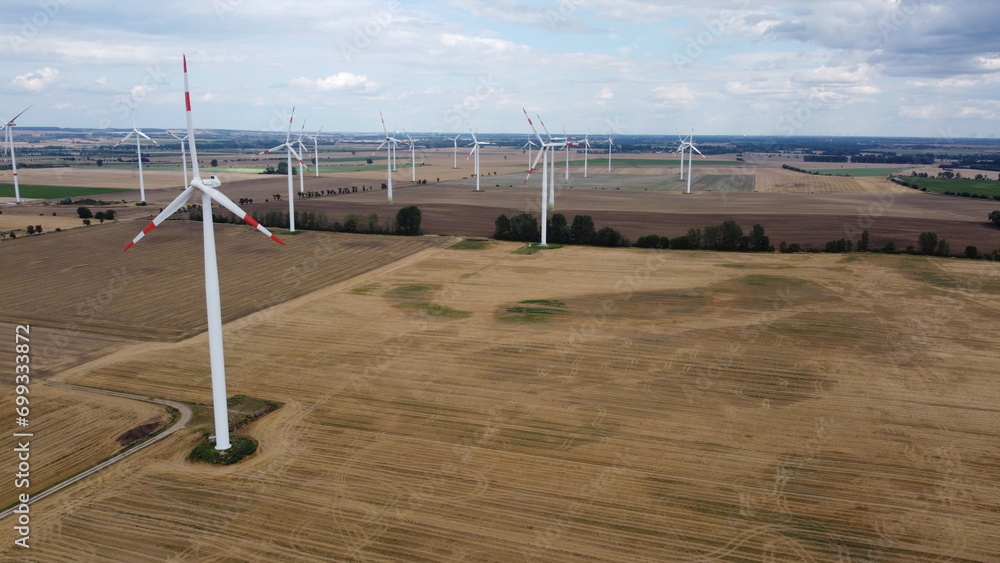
<point x="577" y="404"/>
<point x="85" y="297"/>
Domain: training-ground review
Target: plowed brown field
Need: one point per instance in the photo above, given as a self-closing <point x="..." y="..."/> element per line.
<point x="576" y="404"/>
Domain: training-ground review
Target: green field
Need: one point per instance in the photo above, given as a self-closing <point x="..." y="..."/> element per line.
<point x="54" y="192"/>
<point x="860" y="172"/>
<point x="989" y="188"/>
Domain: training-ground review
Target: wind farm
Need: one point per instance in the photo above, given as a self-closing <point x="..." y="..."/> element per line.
<point x="502" y="378"/>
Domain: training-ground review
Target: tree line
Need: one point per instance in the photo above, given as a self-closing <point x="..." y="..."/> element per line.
<point x="406" y="223"/>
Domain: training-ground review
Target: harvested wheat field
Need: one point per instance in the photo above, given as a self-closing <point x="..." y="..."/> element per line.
<point x="575" y="404"/>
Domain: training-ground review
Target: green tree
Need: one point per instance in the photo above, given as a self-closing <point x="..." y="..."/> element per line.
<point x="502" y="228"/>
<point x="609" y="237"/>
<point x="559" y="231"/>
<point x="524" y="228"/>
<point x="31" y="229"/>
<point x="865" y="241"/>
<point x="215" y="162"/>
<point x="971" y="252"/>
<point x="109" y="214"/>
<point x="648" y="241"/>
<point x="84" y="212"/>
<point x="995" y="217"/>
<point x="693" y="239"/>
<point x="943" y="248"/>
<point x="583" y="229"/>
<point x="408" y="221"/>
<point x="99" y="216"/>
<point x="928" y="242"/>
<point x="711" y="238"/>
<point x="890" y="247"/>
<point x="759" y="242"/>
<point x="38" y="229"/>
<point x="86" y="222"/>
<point x="731" y="234"/>
<point x="283" y="168"/>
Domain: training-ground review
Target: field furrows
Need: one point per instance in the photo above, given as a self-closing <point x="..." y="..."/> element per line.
<point x="581" y="404"/>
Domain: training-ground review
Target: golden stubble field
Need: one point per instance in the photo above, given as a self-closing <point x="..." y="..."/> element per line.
<point x="576" y="404"/>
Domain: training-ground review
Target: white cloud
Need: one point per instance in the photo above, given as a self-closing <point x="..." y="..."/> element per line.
<point x="606" y="94"/>
<point x="36" y="81"/>
<point x="336" y="83"/>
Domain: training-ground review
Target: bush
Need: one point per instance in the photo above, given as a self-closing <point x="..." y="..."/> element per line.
<point x="84" y="212"/>
<point x="583" y="229"/>
<point x="648" y="241"/>
<point x="502" y="228"/>
<point x="971" y="252"/>
<point x="610" y="238"/>
<point x="928" y="242"/>
<point x="407" y="221"/>
<point x="559" y="231"/>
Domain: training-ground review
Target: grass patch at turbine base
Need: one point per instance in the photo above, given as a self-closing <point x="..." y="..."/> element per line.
<point x="534" y="247"/>
<point x="240" y="447"/>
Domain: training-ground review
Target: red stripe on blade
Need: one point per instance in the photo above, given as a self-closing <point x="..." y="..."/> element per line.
<point x="250" y="221"/>
<point x="277" y="240"/>
<point x="187" y="100"/>
<point x="128" y="247"/>
<point x="149" y="227"/>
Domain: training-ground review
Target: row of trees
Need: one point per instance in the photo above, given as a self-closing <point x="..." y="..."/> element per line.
<point x="524" y="228"/>
<point x="407" y="222"/>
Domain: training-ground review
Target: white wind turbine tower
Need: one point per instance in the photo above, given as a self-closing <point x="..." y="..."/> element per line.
<point x="290" y="151"/>
<point x="389" y="143"/>
<point x="586" y="149"/>
<point x="213" y="303"/>
<point x="315" y="139"/>
<point x="302" y="165"/>
<point x="413" y="156"/>
<point x="455" y="156"/>
<point x="552" y="145"/>
<point x="680" y="149"/>
<point x="476" y="143"/>
<point x="183" y="154"/>
<point x="9" y="146"/>
<point x="611" y="145"/>
<point x="543" y="151"/>
<point x="138" y="149"/>
<point x="691" y="148"/>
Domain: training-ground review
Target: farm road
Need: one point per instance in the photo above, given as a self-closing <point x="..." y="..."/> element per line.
<point x="181" y="423"/>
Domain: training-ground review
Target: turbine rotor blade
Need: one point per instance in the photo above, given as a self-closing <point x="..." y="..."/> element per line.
<point x="224" y="201"/>
<point x="167" y="212"/>
<point x="272" y="149"/>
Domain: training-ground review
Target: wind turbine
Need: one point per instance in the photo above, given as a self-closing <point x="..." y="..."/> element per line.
<point x="543" y="151"/>
<point x="413" y="156"/>
<point x="138" y="149"/>
<point x="611" y="145"/>
<point x="586" y="149"/>
<point x="9" y="146"/>
<point x="213" y="303"/>
<point x="183" y="154"/>
<point x="315" y="139"/>
<point x="553" y="144"/>
<point x="476" y="143"/>
<point x="288" y="167"/>
<point x="691" y="148"/>
<point x="302" y="165"/>
<point x="389" y="142"/>
<point x="680" y="149"/>
<point x="455" y="140"/>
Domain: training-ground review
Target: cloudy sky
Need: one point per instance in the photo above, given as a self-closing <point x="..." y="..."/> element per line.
<point x="928" y="68"/>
